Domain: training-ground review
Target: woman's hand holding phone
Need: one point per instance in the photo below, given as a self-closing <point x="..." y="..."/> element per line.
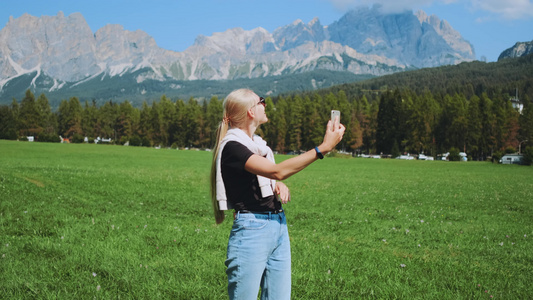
<point x="336" y="118"/>
<point x="334" y="132"/>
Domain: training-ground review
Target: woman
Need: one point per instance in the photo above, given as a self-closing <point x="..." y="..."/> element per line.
<point x="245" y="177"/>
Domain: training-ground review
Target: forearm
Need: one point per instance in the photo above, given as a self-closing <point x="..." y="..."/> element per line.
<point x="291" y="166"/>
<point x="261" y="166"/>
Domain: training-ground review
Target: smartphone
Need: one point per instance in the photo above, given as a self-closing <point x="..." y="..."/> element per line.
<point x="335" y="113"/>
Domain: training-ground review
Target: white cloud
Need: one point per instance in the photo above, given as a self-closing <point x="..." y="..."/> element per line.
<point x="387" y="6"/>
<point x="509" y="9"/>
<point x="495" y="9"/>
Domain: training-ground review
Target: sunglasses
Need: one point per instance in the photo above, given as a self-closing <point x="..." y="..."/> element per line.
<point x="262" y="102"/>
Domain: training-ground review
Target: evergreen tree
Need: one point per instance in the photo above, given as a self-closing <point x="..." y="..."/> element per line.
<point x="313" y="124"/>
<point x="126" y="122"/>
<point x="107" y="118"/>
<point x="474" y="128"/>
<point x="15" y="111"/>
<point x="192" y="121"/>
<point x="47" y="118"/>
<point x="432" y="111"/>
<point x="506" y="123"/>
<point x="156" y="133"/>
<point x="388" y="121"/>
<point x="62" y="117"/>
<point x="89" y="120"/>
<point x="352" y="134"/>
<point x="355" y="132"/>
<point x="410" y="135"/>
<point x="8" y="130"/>
<point x="295" y="118"/>
<point x="269" y="128"/>
<point x="180" y="134"/>
<point x="204" y="133"/>
<point x="281" y="124"/>
<point x="214" y="117"/>
<point x="145" y="128"/>
<point x="488" y="141"/>
<point x="69" y="117"/>
<point x="30" y="123"/>
<point x="321" y="107"/>
<point x="526" y="123"/>
<point x="395" y="150"/>
<point x="330" y="102"/>
<point x="416" y="126"/>
<point x="364" y="118"/>
<point x="452" y="123"/>
<point x="372" y="129"/>
<point x="168" y="117"/>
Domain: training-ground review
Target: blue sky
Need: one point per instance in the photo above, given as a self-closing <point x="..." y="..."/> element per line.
<point x="490" y="25"/>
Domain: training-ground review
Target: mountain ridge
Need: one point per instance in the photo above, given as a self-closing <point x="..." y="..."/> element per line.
<point x="65" y="51"/>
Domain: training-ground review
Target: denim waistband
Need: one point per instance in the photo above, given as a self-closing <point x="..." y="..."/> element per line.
<point x="275" y="211"/>
<point x="269" y="215"/>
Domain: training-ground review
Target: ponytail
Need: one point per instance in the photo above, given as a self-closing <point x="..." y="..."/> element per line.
<point x="221" y="132"/>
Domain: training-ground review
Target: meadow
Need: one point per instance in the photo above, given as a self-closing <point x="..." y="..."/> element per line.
<point x="82" y="221"/>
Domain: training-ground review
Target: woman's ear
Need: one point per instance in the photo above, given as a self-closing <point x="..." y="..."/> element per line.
<point x="251" y="113"/>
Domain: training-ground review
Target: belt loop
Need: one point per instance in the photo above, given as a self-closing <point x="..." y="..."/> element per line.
<point x="270" y="215"/>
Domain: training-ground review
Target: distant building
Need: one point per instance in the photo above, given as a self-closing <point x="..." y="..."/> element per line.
<point x="101" y="140"/>
<point x="406" y="157"/>
<point x="512" y="159"/>
<point x="444" y="156"/>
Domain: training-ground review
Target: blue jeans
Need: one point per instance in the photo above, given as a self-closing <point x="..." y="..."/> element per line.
<point x="259" y="255"/>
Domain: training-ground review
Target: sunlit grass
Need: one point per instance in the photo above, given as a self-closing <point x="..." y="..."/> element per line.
<point x="84" y="221"/>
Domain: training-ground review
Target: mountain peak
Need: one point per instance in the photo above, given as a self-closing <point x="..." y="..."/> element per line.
<point x="518" y="50"/>
<point x="446" y="31"/>
<point x="297" y="22"/>
<point x="314" y="21"/>
<point x="413" y="39"/>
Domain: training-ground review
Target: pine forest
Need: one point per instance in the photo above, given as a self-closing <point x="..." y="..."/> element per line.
<point x="413" y="112"/>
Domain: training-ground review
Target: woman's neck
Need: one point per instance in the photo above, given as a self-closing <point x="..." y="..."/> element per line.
<point x="249" y="129"/>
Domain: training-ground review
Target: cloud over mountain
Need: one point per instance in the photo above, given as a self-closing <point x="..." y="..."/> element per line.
<point x="507" y="10"/>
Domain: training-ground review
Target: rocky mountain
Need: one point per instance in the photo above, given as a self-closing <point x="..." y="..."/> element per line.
<point x="59" y="53"/>
<point x="412" y="39"/>
<point x="518" y="50"/>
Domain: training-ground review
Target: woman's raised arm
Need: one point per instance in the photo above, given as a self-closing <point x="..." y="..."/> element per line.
<point x="261" y="166"/>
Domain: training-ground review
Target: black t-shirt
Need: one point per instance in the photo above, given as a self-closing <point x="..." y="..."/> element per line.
<point x="242" y="187"/>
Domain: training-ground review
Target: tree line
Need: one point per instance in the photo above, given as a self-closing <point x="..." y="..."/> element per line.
<point x="395" y="121"/>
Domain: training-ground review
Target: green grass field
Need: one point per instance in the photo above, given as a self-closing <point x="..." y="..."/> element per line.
<point x="97" y="221"/>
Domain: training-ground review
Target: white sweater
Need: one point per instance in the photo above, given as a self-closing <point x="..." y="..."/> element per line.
<point x="258" y="146"/>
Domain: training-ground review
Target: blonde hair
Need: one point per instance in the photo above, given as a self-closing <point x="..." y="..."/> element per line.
<point x="236" y="106"/>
